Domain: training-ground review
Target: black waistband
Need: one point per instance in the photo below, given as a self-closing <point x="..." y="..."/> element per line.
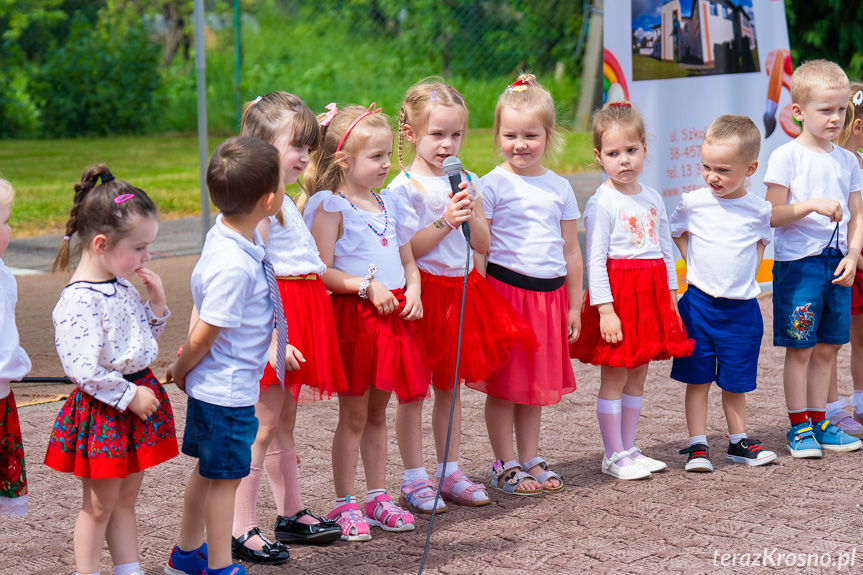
<point x="522" y="281"/>
<point x="136" y="376"/>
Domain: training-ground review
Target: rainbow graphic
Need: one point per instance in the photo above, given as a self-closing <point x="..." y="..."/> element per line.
<point x="614" y="87"/>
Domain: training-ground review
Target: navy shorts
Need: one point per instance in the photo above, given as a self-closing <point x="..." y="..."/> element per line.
<point x="727" y="334"/>
<point x="807" y="307"/>
<point x="220" y="438"/>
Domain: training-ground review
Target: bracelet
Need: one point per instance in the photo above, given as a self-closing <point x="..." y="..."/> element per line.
<point x="443" y="217"/>
<point x="367" y="281"/>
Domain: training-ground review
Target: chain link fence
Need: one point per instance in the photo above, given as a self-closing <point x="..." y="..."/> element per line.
<point x="71" y="68"/>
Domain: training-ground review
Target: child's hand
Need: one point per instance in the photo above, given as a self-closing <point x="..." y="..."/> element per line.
<point x="574" y="324"/>
<point x="382" y="298"/>
<point x="171" y="375"/>
<point x="153" y="284"/>
<point x="144" y="403"/>
<point x="846" y="271"/>
<point x="459" y="208"/>
<point x="413" y="308"/>
<point x="830" y="208"/>
<point x="609" y="324"/>
<point x="293" y="357"/>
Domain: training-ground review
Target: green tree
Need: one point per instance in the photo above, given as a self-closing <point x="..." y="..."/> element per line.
<point x="830" y="29"/>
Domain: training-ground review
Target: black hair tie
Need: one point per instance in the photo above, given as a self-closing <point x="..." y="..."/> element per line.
<point x="107" y="177"/>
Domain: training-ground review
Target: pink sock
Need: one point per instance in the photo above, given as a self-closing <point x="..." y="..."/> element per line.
<point x="629" y="414"/>
<point x="608" y="415"/>
<point x="246" y="508"/>
<point x="281" y="468"/>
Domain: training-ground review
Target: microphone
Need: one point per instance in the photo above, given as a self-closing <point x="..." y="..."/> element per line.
<point x="452" y="167"/>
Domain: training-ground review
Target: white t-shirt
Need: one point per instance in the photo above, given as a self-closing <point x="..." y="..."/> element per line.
<point x="102" y="331"/>
<point x="621" y="227"/>
<point x="810" y="175"/>
<point x="230" y="291"/>
<point x="291" y="247"/>
<point x="722" y="255"/>
<point x="359" y="245"/>
<point x="525" y="215"/>
<point x="14" y="362"/>
<point x="418" y="211"/>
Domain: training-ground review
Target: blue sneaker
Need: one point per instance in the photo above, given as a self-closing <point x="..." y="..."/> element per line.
<point x="832" y="438"/>
<point x="802" y="442"/>
<point x="233" y="569"/>
<point x="187" y="562"/>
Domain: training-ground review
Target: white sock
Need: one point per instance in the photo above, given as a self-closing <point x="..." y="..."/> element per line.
<point x="631" y="401"/>
<point x="127" y="568"/>
<point x="834" y="408"/>
<point x="696" y="439"/>
<point x="451" y="467"/>
<point x="372" y="493"/>
<point x="345" y="499"/>
<point x="416" y="474"/>
<point x="857" y="398"/>
<point x="96" y="573"/>
<point x="736" y="437"/>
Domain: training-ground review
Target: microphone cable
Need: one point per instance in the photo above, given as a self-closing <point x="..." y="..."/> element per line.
<point x="466" y="230"/>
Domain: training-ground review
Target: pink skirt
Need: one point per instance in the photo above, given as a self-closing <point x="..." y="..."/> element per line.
<point x="538" y="377"/>
<point x="312" y="330"/>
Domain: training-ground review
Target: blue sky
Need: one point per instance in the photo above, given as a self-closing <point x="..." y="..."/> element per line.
<point x="646" y="13"/>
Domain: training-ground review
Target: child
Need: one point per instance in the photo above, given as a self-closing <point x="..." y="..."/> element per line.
<point x="118" y="421"/>
<point x="632" y="317"/>
<point x="14" y="364"/>
<point x="284" y="121"/>
<point x="851" y="138"/>
<point x="223" y="358"/>
<point x="721" y="231"/>
<point x="534" y="262"/>
<point x="433" y="120"/>
<point x="814" y="187"/>
<point x="376" y="294"/>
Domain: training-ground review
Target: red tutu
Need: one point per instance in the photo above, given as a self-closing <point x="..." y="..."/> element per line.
<point x="13" y="478"/>
<point x="94" y="440"/>
<point x="857" y="294"/>
<point x="312" y="330"/>
<point x="380" y="350"/>
<point x="538" y="377"/>
<point x="651" y="328"/>
<point x="491" y="328"/>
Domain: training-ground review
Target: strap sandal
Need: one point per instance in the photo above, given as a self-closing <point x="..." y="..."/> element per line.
<point x="414" y="495"/>
<point x="509" y="476"/>
<point x="544" y="475"/>
<point x="272" y="553"/>
<point x="465" y="496"/>
<point x="382" y="512"/>
<point x="351" y="520"/>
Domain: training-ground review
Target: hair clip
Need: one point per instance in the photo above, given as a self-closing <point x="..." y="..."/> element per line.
<point x="373" y="109"/>
<point x="67" y="238"/>
<point x="333" y="110"/>
<point x="123" y="198"/>
<point x="107" y="177"/>
<point x="256" y="100"/>
<point x="620" y="105"/>
<point x="857" y="98"/>
<point x="518" y="86"/>
<point x="433" y="95"/>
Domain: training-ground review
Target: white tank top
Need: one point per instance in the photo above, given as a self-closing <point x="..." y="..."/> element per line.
<point x="291" y="247"/>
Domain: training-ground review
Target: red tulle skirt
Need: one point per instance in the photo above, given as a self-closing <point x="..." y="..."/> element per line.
<point x="857" y="294"/>
<point x="651" y="328"/>
<point x="491" y="328"/>
<point x="538" y="377"/>
<point x="13" y="477"/>
<point x="94" y="440"/>
<point x="380" y="350"/>
<point x="312" y="330"/>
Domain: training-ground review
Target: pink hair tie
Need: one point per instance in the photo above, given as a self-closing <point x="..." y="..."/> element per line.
<point x="372" y="110"/>
<point x="67" y="238"/>
<point x="123" y="198"/>
<point x="333" y="110"/>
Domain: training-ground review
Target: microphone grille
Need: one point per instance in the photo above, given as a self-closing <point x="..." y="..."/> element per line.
<point x="452" y="165"/>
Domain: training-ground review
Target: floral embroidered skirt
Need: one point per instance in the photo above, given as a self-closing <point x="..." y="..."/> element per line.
<point x="13" y="478"/>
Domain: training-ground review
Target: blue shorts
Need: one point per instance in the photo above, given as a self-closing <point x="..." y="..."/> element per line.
<point x="727" y="334"/>
<point x="807" y="307"/>
<point x="221" y="438"/>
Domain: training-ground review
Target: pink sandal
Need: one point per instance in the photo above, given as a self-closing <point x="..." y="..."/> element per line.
<point x="354" y="526"/>
<point x="413" y="495"/>
<point x="465" y="497"/>
<point x="382" y="512"/>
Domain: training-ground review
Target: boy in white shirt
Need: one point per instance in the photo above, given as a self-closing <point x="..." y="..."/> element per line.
<point x="814" y="187"/>
<point x="721" y="231"/>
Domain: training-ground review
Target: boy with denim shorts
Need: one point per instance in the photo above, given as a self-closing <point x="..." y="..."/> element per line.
<point x="224" y="355"/>
<point x="814" y="187"/>
<point x="721" y="231"/>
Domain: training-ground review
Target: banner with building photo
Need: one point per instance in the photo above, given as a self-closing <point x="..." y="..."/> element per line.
<point x="682" y="63"/>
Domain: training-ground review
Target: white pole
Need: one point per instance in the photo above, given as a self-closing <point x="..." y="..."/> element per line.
<point x="201" y="89"/>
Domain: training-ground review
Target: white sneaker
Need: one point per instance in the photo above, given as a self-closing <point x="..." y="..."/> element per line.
<point x="610" y="467"/>
<point x="650" y="464"/>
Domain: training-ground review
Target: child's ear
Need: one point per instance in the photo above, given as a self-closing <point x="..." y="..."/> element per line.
<point x="857" y="126"/>
<point x="100" y="244"/>
<point x="752" y="167"/>
<point x="409" y="134"/>
<point x="597" y="156"/>
<point x="797" y="112"/>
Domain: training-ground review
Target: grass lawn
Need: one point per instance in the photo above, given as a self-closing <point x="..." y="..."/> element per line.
<point x="647" y="68"/>
<point x="166" y="167"/>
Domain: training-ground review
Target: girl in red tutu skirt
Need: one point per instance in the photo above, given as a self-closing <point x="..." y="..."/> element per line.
<point x="376" y="298"/>
<point x="433" y="120"/>
<point x="534" y="263"/>
<point x="284" y="121"/>
<point x="632" y="315"/>
<point x="118" y="422"/>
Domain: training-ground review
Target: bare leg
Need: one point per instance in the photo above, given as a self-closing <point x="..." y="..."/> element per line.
<point x="500" y="422"/>
<point x="218" y="518"/>
<point x="409" y="433"/>
<point x="97" y="505"/>
<point x="440" y="422"/>
<point x="353" y="411"/>
<point x="696" y="408"/>
<point x="820" y="364"/>
<point x="122" y="530"/>
<point x="794" y="377"/>
<point x="194" y="500"/>
<point x="373" y="444"/>
<point x="528" y="419"/>
<point x="833" y="391"/>
<point x="734" y="405"/>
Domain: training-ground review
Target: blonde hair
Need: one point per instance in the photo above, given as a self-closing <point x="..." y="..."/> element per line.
<point x="815" y="75"/>
<point x="617" y="115"/>
<point x="854" y="112"/>
<point x="270" y="116"/>
<point x="734" y="130"/>
<point x="418" y="103"/>
<point x="534" y="98"/>
<point x="7" y="192"/>
<point x="324" y="172"/>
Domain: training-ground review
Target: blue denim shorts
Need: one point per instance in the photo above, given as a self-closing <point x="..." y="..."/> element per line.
<point x="807" y="307"/>
<point x="727" y="334"/>
<point x="220" y="438"/>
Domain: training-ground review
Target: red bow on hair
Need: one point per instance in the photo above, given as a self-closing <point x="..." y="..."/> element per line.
<point x="620" y="105"/>
<point x="519" y="82"/>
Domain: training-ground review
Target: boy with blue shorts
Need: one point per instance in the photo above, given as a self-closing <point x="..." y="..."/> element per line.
<point x="721" y="231"/>
<point x="814" y="187"/>
<point x="224" y="355"/>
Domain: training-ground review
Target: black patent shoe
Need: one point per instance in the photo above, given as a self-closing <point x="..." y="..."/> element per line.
<point x="289" y="530"/>
<point x="273" y="553"/>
